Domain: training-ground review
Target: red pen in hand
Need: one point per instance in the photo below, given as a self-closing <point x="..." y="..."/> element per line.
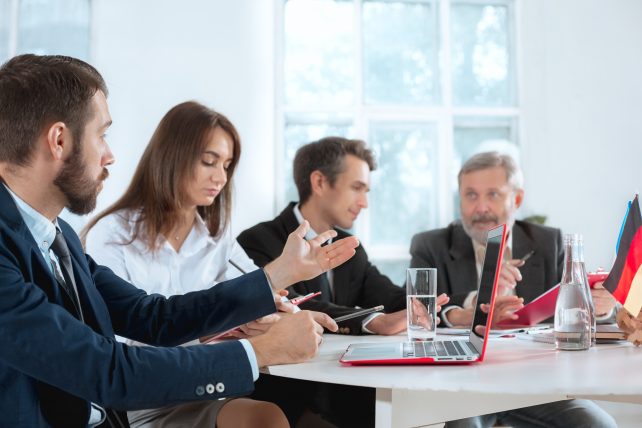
<point x="296" y="301"/>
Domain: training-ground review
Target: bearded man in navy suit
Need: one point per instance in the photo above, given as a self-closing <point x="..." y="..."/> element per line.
<point x="60" y="364"/>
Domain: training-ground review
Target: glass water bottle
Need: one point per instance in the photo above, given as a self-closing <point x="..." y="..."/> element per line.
<point x="587" y="288"/>
<point x="572" y="310"/>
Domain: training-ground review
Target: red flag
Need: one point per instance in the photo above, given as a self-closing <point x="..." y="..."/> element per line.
<point x="628" y="260"/>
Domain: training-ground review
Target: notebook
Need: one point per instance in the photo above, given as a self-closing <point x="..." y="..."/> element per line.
<point x="606" y="333"/>
<point x="443" y="351"/>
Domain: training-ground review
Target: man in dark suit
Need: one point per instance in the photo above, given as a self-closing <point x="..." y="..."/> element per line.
<point x="60" y="365"/>
<point x="332" y="177"/>
<point x="491" y="191"/>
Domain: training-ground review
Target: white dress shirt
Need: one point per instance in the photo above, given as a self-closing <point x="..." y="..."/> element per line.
<point x="330" y="275"/>
<point x="202" y="261"/>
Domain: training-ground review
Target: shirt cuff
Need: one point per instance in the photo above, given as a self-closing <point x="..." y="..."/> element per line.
<point x="367" y="320"/>
<point x="267" y="277"/>
<point x="468" y="301"/>
<point x="443" y="313"/>
<point x="251" y="356"/>
<point x="97" y="415"/>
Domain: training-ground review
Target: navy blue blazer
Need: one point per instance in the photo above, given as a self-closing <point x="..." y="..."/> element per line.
<point x="52" y="365"/>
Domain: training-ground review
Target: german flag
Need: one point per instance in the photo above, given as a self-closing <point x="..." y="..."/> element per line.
<point x="625" y="280"/>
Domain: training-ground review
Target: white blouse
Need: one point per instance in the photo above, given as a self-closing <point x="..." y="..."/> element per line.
<point x="201" y="262"/>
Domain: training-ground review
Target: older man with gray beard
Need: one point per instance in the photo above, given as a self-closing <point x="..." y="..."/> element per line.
<point x="491" y="191"/>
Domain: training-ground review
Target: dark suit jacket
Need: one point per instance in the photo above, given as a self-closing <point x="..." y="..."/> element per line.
<point x="52" y="365"/>
<point x="450" y="250"/>
<point x="356" y="282"/>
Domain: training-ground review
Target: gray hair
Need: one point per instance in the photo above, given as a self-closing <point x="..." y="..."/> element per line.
<point x="487" y="160"/>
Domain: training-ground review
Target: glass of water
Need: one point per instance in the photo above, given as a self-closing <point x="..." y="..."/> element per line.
<point x="421" y="300"/>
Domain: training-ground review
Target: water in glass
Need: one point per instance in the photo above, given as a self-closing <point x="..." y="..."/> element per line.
<point x="421" y="316"/>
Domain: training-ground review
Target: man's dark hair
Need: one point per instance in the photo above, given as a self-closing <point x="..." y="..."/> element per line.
<point x="326" y="156"/>
<point x="37" y="91"/>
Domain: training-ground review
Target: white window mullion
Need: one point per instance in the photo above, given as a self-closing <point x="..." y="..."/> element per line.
<point x="429" y="114"/>
<point x="446" y="146"/>
<point x="13" y="28"/>
<point x="279" y="108"/>
<point x="484" y="111"/>
<point x="515" y="17"/>
<point x="512" y="48"/>
<point x="361" y="119"/>
<point x="443" y="115"/>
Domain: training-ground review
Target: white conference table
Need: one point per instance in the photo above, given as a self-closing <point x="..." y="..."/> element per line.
<point x="515" y="373"/>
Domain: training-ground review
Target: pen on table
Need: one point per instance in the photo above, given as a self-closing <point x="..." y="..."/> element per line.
<point x="359" y="313"/>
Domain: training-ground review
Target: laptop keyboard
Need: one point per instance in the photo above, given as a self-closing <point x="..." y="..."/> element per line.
<point x="444" y="348"/>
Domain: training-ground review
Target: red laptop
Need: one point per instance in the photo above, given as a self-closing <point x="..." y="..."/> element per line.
<point x="443" y="351"/>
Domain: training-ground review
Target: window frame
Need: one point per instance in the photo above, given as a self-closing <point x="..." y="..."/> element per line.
<point x="14" y="29"/>
<point x="444" y="115"/>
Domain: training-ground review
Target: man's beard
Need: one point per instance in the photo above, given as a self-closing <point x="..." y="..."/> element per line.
<point x="478" y="235"/>
<point x="73" y="181"/>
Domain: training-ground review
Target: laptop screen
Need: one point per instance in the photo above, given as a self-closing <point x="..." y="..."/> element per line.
<point x="487" y="278"/>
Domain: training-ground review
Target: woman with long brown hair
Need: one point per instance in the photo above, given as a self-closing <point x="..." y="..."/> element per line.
<point x="169" y="234"/>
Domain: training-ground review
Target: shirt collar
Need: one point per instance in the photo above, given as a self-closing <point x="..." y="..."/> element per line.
<point x="198" y="238"/>
<point x="311" y="232"/>
<point x="42" y="229"/>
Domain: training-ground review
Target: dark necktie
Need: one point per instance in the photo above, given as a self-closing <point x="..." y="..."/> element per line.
<point x="324" y="283"/>
<point x="324" y="288"/>
<point x="68" y="282"/>
<point x="113" y="418"/>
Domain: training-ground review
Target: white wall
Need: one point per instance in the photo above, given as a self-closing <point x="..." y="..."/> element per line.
<point x="155" y="54"/>
<point x="580" y="94"/>
<point x="582" y="115"/>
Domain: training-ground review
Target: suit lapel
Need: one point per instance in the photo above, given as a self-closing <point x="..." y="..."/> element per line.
<point x="41" y="268"/>
<point x="288" y="219"/>
<point x="10" y="214"/>
<point x="533" y="272"/>
<point x="461" y="269"/>
<point x="95" y="314"/>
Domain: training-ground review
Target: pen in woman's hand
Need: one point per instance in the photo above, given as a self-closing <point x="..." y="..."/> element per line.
<point x="240" y="269"/>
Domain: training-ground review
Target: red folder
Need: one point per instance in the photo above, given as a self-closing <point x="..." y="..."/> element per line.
<point x="535" y="312"/>
<point x="543" y="307"/>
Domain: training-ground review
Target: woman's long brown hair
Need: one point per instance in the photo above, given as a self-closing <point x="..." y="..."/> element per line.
<point x="164" y="170"/>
